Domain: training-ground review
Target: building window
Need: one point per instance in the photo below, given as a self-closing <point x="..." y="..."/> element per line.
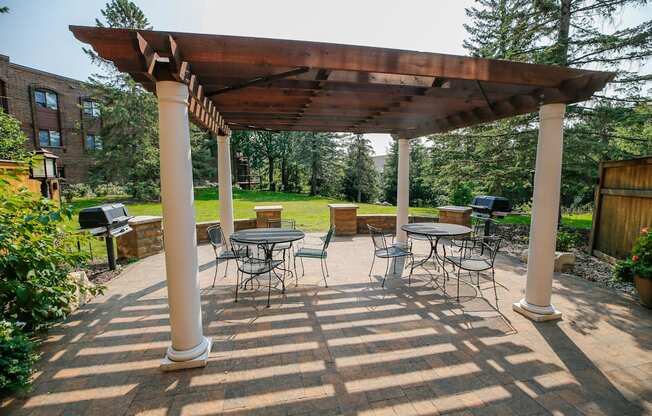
<point x="49" y="138"/>
<point x="91" y="108"/>
<point x="46" y="99"/>
<point x="4" y="100"/>
<point x="61" y="171"/>
<point x="93" y="142"/>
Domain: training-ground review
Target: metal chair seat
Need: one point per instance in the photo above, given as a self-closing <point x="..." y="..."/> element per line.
<point x="256" y="266"/>
<point x="392" y="251"/>
<point x="228" y="254"/>
<point x="473" y="264"/>
<point x="282" y="246"/>
<point x="312" y="253"/>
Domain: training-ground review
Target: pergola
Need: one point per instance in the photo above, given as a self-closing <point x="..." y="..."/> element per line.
<point x="226" y="83"/>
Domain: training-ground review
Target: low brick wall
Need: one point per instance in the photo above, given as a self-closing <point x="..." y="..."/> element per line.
<point x="386" y="222"/>
<point x="145" y="239"/>
<point x="241" y="224"/>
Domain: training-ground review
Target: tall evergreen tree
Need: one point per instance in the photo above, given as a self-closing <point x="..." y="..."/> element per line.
<point x="360" y="181"/>
<point x="320" y="154"/>
<point x="421" y="191"/>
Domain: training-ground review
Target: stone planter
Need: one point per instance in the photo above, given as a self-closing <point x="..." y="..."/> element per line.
<point x="644" y="289"/>
<point x="564" y="261"/>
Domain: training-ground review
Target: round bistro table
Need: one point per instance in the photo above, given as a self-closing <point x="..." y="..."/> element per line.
<point x="267" y="238"/>
<point x="433" y="231"/>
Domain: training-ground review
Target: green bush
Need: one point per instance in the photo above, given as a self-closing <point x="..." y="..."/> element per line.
<point x="462" y="194"/>
<point x="36" y="259"/>
<point x="105" y="189"/>
<point x="144" y="191"/>
<point x="640" y="262"/>
<point x="76" y="190"/>
<point x="16" y="357"/>
<point x="567" y="240"/>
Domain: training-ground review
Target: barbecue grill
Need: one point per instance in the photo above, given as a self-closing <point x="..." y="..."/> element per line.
<point x="108" y="221"/>
<point x="487" y="207"/>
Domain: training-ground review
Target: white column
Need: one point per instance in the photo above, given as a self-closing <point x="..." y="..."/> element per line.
<point x="545" y="210"/>
<point x="224" y="184"/>
<point x="402" y="188"/>
<point x="189" y="347"/>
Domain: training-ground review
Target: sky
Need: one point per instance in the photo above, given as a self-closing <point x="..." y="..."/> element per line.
<point x="35" y="32"/>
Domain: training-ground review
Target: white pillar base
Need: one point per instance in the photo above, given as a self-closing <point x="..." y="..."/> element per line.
<point x="535" y="312"/>
<point x="194" y="358"/>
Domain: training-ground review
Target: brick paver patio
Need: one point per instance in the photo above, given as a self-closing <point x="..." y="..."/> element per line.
<point x="352" y="348"/>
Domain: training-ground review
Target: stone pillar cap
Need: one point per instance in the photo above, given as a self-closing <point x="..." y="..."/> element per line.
<point x="144" y="219"/>
<point x="454" y="208"/>
<point x="268" y="208"/>
<point x="336" y="206"/>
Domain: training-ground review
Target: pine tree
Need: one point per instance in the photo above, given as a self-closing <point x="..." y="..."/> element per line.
<point x="360" y="182"/>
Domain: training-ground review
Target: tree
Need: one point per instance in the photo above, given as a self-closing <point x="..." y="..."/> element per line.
<point x="320" y="155"/>
<point x="12" y="138"/>
<point x="203" y="147"/>
<point x="421" y="192"/>
<point x="360" y="177"/>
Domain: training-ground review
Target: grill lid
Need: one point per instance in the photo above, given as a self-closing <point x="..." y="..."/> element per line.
<point x="488" y="203"/>
<point x="109" y="215"/>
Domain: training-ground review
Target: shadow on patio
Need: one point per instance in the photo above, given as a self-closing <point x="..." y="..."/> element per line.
<point x="352" y="348"/>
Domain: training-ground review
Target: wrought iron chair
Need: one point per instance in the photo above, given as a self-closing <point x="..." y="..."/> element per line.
<point x="222" y="252"/>
<point x="315" y="253"/>
<point x="253" y="267"/>
<point x="283" y="247"/>
<point x="389" y="252"/>
<point x="477" y="254"/>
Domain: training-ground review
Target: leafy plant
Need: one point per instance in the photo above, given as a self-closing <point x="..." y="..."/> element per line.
<point x="17" y="357"/>
<point x="12" y="138"/>
<point x="461" y="194"/>
<point x="76" y="190"/>
<point x="36" y="259"/>
<point x="640" y="262"/>
<point x="567" y="240"/>
<point x="144" y="190"/>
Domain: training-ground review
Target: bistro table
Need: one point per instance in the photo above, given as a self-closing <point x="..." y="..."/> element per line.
<point x="433" y="231"/>
<point x="267" y="238"/>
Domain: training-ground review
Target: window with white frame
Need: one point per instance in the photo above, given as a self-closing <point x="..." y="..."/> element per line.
<point x="46" y="99"/>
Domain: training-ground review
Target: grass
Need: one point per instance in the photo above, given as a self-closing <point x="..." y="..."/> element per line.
<point x="582" y="221"/>
<point x="310" y="212"/>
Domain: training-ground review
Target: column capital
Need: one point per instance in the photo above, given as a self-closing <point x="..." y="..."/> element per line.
<point x="172" y="91"/>
<point x="399" y="137"/>
<point x="223" y="138"/>
<point x="548" y="111"/>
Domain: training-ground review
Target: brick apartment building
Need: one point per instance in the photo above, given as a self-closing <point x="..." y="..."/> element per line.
<point x="56" y="114"/>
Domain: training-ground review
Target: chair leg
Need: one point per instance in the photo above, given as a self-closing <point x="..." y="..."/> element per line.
<point x="394" y="266"/>
<point x="493" y="278"/>
<point x="237" y="284"/>
<point x="215" y="275"/>
<point x="478" y="280"/>
<point x="321" y="261"/>
<point x="303" y="269"/>
<point x="373" y="260"/>
<point x="328" y="273"/>
<point x="386" y="271"/>
<point x="269" y="287"/>
<point x="296" y="275"/>
<point x="226" y="268"/>
<point x="410" y="275"/>
<point x="458" y="283"/>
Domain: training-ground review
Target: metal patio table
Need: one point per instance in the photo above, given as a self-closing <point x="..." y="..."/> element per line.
<point x="267" y="238"/>
<point x="433" y="232"/>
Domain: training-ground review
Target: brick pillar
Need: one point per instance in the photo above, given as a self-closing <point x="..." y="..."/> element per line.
<point x="345" y="218"/>
<point x="267" y="212"/>
<point x="453" y="214"/>
<point x="144" y="240"/>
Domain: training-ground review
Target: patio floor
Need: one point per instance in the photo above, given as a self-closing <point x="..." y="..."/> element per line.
<point x="352" y="348"/>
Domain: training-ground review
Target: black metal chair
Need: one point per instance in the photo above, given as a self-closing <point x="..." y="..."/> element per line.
<point x="283" y="248"/>
<point x="315" y="253"/>
<point x="253" y="267"/>
<point x="389" y="252"/>
<point x="222" y="252"/>
<point x="476" y="255"/>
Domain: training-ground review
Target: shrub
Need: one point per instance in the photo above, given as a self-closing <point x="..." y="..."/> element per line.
<point x="567" y="240"/>
<point x="36" y="259"/>
<point x="462" y="194"/>
<point x="144" y="191"/>
<point x="105" y="189"/>
<point x="640" y="262"/>
<point x="76" y="190"/>
<point x="16" y="357"/>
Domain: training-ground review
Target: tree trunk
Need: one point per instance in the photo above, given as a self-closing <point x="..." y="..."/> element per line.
<point x="270" y="174"/>
<point x="313" y="168"/>
<point x="564" y="29"/>
<point x="284" y="174"/>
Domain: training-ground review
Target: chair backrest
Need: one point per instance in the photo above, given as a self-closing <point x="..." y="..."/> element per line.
<point x="238" y="249"/>
<point x="280" y="223"/>
<point x="215" y="236"/>
<point x="377" y="237"/>
<point x="481" y="224"/>
<point x="329" y="235"/>
<point x="490" y="244"/>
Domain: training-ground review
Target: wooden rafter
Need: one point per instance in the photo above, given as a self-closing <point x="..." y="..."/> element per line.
<point x="274" y="84"/>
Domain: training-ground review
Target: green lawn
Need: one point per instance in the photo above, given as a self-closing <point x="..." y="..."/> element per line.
<point x="573" y="220"/>
<point x="310" y="212"/>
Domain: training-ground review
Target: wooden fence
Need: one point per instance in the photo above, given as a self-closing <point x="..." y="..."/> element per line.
<point x="623" y="205"/>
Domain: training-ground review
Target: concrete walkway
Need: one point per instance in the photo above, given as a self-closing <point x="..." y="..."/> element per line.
<point x="351" y="348"/>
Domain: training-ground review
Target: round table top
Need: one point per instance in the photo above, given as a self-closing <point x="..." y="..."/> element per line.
<point x="267" y="236"/>
<point x="436" y="229"/>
